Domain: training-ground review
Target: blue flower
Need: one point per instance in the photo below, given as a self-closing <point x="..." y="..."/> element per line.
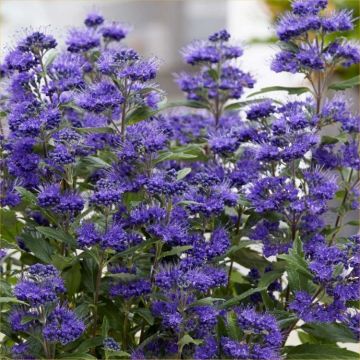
<point x="63" y="326"/>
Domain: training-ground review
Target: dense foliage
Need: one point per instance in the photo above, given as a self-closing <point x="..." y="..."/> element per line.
<point x="213" y="230"/>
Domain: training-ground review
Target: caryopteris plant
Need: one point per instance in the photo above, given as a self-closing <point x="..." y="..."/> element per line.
<point x="211" y="231"/>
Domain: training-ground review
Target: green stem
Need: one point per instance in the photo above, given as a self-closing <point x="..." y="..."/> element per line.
<point x="341" y="213"/>
<point x="97" y="292"/>
<point x="237" y="231"/>
<point x="123" y="115"/>
<point x="158" y="248"/>
<point x="126" y="327"/>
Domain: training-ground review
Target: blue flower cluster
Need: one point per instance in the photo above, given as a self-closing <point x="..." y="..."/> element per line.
<point x="301" y="51"/>
<point x="40" y="290"/>
<point x="191" y="234"/>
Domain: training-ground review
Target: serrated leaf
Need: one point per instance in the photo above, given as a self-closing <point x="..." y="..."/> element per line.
<point x="236" y="299"/>
<point x="296" y="262"/>
<point x="145" y="314"/>
<point x="284" y="318"/>
<point x="88" y="344"/>
<point x="123" y="276"/>
<point x="94" y="162"/>
<point x="76" y="355"/>
<point x="139" y="114"/>
<point x="27" y="195"/>
<point x="72" y="279"/>
<point x="11" y="300"/>
<point x="268" y="278"/>
<point x="320" y="351"/>
<point x="289" y="90"/>
<point x="353" y="223"/>
<point x="249" y="258"/>
<point x="342" y="85"/>
<point x="185" y="103"/>
<point x="240" y="104"/>
<point x="330" y="332"/>
<point x="27" y="319"/>
<point x="181" y="174"/>
<point x="50" y="57"/>
<point x="95" y="130"/>
<point x="177" y="250"/>
<point x="232" y="327"/>
<point x="39" y="247"/>
<point x="56" y="234"/>
<point x="325" y="140"/>
<point x="105" y="327"/>
<point x="206" y="301"/>
<point x="168" y="155"/>
<point x="10" y="226"/>
<point x="118" y="353"/>
<point x="213" y="73"/>
<point x="186" y="340"/>
<point x="242" y="244"/>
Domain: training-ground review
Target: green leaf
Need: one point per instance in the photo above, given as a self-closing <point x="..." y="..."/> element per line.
<point x="320" y="351"/>
<point x="186" y="340"/>
<point x="236" y="299"/>
<point x="93" y="162"/>
<point x="72" y="278"/>
<point x="330" y="332"/>
<point x="268" y="302"/>
<point x="325" y="139"/>
<point x="105" y="327"/>
<point x="213" y="73"/>
<point x="88" y="344"/>
<point x="232" y="327"/>
<point x="63" y="262"/>
<point x="353" y="223"/>
<point x="296" y="262"/>
<point x="117" y="354"/>
<point x="268" y="278"/>
<point x="186" y="152"/>
<point x="242" y="244"/>
<point x="123" y="276"/>
<point x="56" y="234"/>
<point x="297" y="247"/>
<point x="240" y="104"/>
<point x="10" y="226"/>
<point x="145" y="314"/>
<point x="27" y="319"/>
<point x="168" y="155"/>
<point x="349" y="83"/>
<point x="249" y="258"/>
<point x="177" y="250"/>
<point x="139" y="114"/>
<point x="298" y="281"/>
<point x="181" y="174"/>
<point x="220" y="328"/>
<point x="12" y="300"/>
<point x="289" y="90"/>
<point x="206" y="301"/>
<point x="95" y="130"/>
<point x="76" y="355"/>
<point x="26" y="195"/>
<point x="187" y="202"/>
<point x="39" y="247"/>
<point x="284" y="318"/>
<point x="50" y="57"/>
<point x="185" y="103"/>
<point x="252" y="220"/>
<point x="306" y="338"/>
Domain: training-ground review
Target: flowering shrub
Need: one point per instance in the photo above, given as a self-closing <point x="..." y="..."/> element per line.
<point x="131" y="231"/>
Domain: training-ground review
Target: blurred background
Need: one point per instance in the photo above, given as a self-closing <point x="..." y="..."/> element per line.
<point x="162" y="27"/>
